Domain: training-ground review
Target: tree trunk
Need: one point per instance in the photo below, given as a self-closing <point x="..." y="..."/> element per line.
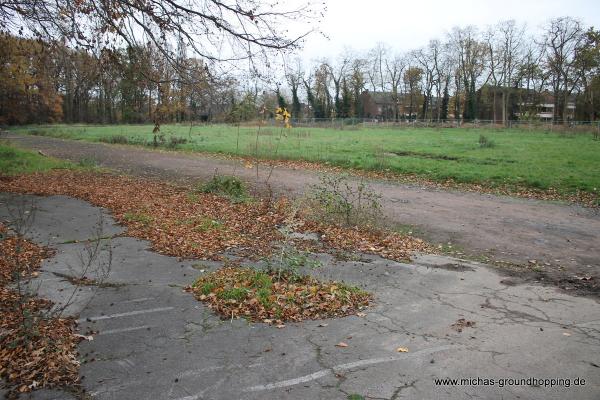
<point x="494" y="106"/>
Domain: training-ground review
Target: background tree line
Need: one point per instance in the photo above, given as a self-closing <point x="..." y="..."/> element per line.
<point x="499" y="73"/>
<point x="469" y="74"/>
<point x="42" y="82"/>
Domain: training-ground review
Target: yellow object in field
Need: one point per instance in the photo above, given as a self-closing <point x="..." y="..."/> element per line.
<point x="282" y="114"/>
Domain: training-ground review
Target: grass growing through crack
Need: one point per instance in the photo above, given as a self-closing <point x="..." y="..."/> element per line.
<point x="276" y="296"/>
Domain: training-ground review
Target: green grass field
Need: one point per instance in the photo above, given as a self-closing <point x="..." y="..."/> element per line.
<point x="16" y="161"/>
<point x="566" y="162"/>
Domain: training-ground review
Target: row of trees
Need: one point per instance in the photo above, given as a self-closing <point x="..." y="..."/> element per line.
<point x="500" y="73"/>
<point x="500" y="69"/>
<point x="41" y="82"/>
<point x="124" y="61"/>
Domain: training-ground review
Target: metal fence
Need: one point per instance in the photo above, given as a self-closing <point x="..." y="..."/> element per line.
<point x="592" y="127"/>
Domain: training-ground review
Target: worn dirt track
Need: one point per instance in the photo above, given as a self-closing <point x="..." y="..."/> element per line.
<point x="566" y="236"/>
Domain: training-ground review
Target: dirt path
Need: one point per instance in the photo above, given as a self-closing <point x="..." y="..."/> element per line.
<point x="567" y="237"/>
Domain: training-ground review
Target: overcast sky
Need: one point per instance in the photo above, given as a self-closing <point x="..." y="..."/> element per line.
<point x="405" y="25"/>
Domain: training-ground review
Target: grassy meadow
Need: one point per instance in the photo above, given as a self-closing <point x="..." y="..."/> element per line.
<point x="543" y="160"/>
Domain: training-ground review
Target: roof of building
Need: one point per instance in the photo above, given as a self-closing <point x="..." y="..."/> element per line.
<point x="380" y="97"/>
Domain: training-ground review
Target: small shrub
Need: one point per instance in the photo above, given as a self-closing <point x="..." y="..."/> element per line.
<point x="338" y="200"/>
<point x="485" y="143"/>
<point x="158" y="139"/>
<point x="139" y="141"/>
<point x="228" y="186"/>
<point x="115" y="139"/>
<point x="289" y="261"/>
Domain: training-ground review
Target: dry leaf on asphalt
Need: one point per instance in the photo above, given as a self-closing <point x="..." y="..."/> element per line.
<point x="48" y="358"/>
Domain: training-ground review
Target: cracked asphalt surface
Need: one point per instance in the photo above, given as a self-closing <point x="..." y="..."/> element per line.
<point x="155" y="341"/>
<point x="562" y="238"/>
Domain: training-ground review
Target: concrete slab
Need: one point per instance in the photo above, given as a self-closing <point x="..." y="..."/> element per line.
<point x="155" y="341"/>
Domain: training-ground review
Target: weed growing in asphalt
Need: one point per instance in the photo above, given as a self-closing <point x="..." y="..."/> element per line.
<point x="273" y="298"/>
<point x="228" y="186"/>
<point x="289" y="261"/>
<point x="337" y="199"/>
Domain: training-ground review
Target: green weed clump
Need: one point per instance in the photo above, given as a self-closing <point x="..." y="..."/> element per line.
<point x="137" y="217"/>
<point x="485" y="143"/>
<point x="275" y="297"/>
<point x="115" y="139"/>
<point x="228" y="186"/>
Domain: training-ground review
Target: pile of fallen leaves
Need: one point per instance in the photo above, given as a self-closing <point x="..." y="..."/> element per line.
<point x="19" y="256"/>
<point x="276" y="297"/>
<point x="390" y="245"/>
<point x="35" y="351"/>
<point x="201" y="225"/>
<point x="177" y="222"/>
